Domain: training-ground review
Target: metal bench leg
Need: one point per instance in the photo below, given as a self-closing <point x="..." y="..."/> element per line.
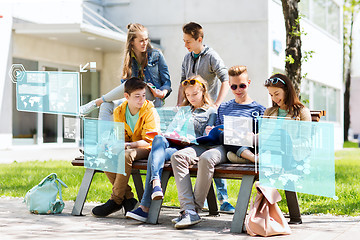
<point x="293" y="206"/>
<point x="212" y="203"/>
<point x="83" y="191"/>
<point x="138" y="183"/>
<point x="242" y="203"/>
<point x="155" y="206"/>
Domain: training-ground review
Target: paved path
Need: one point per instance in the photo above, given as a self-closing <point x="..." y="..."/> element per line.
<point x="17" y="223"/>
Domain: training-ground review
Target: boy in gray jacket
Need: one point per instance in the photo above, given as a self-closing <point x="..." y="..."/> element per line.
<point x="204" y="61"/>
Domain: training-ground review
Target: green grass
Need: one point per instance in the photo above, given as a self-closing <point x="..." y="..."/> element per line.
<point x="348" y="144"/>
<point x="17" y="178"/>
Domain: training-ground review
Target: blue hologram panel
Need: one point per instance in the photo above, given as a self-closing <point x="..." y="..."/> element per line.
<point x="48" y="92"/>
<point x="238" y="131"/>
<point x="297" y="156"/>
<point x="104" y="145"/>
<point x="166" y="115"/>
<point x="178" y="124"/>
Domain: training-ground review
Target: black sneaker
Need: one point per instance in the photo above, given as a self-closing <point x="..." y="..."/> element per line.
<point x="106" y="209"/>
<point x="129" y="204"/>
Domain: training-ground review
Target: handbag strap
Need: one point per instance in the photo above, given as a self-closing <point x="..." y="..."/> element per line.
<point x="61" y="182"/>
<point x="59" y="189"/>
<point x="50" y="176"/>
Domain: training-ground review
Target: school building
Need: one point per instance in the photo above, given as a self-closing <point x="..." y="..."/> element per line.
<point x="61" y="35"/>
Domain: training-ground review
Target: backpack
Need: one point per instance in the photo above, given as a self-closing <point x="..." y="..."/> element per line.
<point x="265" y="217"/>
<point x="41" y="199"/>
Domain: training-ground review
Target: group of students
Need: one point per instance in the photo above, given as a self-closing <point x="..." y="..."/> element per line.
<point x="205" y="81"/>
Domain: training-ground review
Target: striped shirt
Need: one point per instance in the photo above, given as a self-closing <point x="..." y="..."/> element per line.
<point x="232" y="108"/>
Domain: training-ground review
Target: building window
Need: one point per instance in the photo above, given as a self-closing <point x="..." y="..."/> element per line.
<point x="317" y="96"/>
<point x="324" y="13"/>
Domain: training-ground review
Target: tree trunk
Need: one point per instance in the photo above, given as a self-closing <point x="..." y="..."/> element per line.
<point x="347" y="105"/>
<point x="348" y="83"/>
<point x="293" y="42"/>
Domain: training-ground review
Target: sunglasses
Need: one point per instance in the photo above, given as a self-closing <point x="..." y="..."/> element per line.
<point x="234" y="86"/>
<point x="274" y="80"/>
<point x="191" y="82"/>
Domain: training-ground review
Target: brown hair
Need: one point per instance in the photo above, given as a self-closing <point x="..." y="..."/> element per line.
<point x="193" y="29"/>
<point x="206" y="97"/>
<point x="237" y="70"/>
<point x="133" y="28"/>
<point x="292" y="102"/>
<point x="134" y="84"/>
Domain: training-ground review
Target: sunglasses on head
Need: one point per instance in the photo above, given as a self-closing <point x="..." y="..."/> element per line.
<point x="234" y="86"/>
<point x="274" y="80"/>
<point x="191" y="82"/>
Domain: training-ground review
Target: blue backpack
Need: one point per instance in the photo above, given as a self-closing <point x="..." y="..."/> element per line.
<point x="41" y="199"/>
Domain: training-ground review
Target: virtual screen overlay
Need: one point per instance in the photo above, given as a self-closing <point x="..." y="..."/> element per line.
<point x="48" y="92"/>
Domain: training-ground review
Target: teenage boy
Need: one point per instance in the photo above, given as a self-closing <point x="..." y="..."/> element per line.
<point x="204" y="61"/>
<point x="139" y="116"/>
<point x="208" y="157"/>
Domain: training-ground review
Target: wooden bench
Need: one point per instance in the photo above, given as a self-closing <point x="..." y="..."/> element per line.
<point x="245" y="172"/>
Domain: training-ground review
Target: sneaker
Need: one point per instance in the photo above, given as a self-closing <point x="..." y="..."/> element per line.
<point x="137" y="214"/>
<point x="188" y="220"/>
<point x="106" y="209"/>
<point x="129" y="204"/>
<point x="88" y="108"/>
<point x="178" y="219"/>
<point x="157" y="193"/>
<point x="227" y="207"/>
<point x="233" y="158"/>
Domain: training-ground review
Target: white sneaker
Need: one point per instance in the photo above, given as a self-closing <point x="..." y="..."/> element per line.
<point x="88" y="108"/>
<point x="188" y="220"/>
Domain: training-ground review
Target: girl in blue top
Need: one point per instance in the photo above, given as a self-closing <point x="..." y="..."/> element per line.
<point x="203" y="114"/>
<point x="141" y="61"/>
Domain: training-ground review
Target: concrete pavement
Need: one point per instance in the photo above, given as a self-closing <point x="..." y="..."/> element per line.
<point x="17" y="223"/>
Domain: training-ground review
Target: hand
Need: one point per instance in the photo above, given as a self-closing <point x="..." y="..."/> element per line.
<point x="184" y="140"/>
<point x="127" y="145"/>
<point x="98" y="101"/>
<point x="156" y="92"/>
<point x="208" y="129"/>
<point x="217" y="105"/>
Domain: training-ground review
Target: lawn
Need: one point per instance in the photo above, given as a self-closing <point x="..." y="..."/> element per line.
<point x="17" y="178"/>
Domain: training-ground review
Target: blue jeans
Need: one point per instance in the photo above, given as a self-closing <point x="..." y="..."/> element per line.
<point x="221" y="189"/>
<point x="160" y="152"/>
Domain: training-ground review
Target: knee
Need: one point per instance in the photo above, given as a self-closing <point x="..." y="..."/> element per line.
<point x="207" y="160"/>
<point x="129" y="158"/>
<point x="177" y="159"/>
<point x="160" y="140"/>
<point x="106" y="105"/>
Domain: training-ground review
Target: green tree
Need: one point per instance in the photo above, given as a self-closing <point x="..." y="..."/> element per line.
<point x="351" y="8"/>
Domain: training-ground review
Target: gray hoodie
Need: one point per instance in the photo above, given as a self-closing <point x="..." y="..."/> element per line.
<point x="209" y="66"/>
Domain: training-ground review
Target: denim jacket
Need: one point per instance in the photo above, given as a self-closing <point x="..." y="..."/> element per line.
<point x="156" y="72"/>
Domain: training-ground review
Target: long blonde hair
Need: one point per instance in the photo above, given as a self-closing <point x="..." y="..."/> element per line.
<point x="133" y="28"/>
<point x="206" y="97"/>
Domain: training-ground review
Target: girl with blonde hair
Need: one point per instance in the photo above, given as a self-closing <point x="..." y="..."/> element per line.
<point x="203" y="114"/>
<point x="142" y="61"/>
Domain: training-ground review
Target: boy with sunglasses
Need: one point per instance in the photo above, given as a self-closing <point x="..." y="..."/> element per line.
<point x="241" y="106"/>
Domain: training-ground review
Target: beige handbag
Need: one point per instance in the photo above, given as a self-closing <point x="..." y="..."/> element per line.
<point x="265" y="217"/>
